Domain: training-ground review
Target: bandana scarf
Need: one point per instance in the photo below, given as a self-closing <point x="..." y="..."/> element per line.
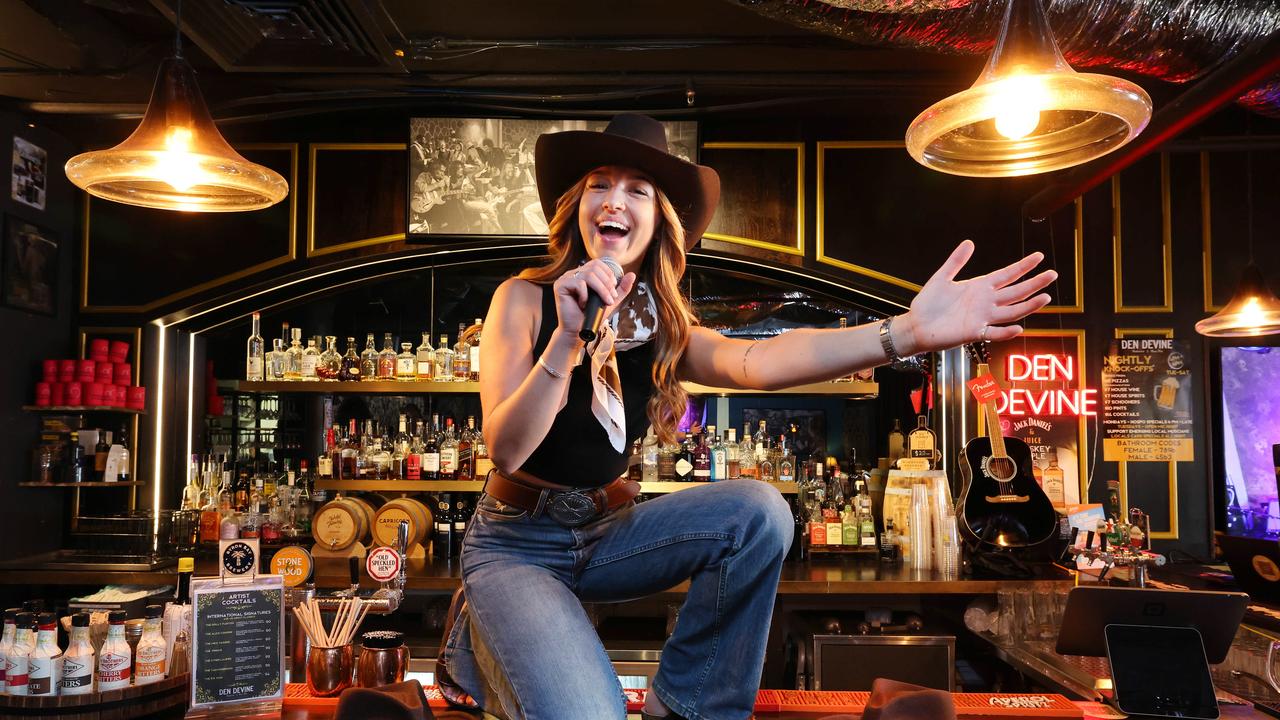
<point x="630" y="327"/>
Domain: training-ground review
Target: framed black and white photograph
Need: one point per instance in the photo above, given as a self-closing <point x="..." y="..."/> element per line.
<point x="474" y="176"/>
<point x="30" y="163"/>
<point x="29" y="268"/>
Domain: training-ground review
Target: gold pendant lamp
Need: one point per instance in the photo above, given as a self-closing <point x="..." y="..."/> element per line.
<point x="1028" y="112"/>
<point x="177" y="159"/>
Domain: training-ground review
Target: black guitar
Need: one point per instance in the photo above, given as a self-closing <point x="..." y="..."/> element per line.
<point x="1002" y="504"/>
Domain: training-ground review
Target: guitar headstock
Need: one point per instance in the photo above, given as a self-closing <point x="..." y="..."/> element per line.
<point x="979" y="351"/>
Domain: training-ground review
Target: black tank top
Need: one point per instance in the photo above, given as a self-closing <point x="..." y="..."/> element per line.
<point x="576" y="450"/>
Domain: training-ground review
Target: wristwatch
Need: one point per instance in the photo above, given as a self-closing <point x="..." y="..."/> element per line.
<point x="886" y="341"/>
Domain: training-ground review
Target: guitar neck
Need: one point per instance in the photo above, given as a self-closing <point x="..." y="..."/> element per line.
<point x="993" y="422"/>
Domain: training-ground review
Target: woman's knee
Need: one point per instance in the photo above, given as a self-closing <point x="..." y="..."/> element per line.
<point x="764" y="511"/>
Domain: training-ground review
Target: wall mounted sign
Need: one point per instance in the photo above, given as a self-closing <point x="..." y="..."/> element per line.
<point x="1146" y="391"/>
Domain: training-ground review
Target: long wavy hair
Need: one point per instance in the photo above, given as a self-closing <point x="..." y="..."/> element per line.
<point x="663" y="266"/>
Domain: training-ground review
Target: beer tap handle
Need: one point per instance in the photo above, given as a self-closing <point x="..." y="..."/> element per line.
<point x="353" y="569"/>
<point x="1105" y="569"/>
<point x="1088" y="540"/>
<point x="1102" y="542"/>
<point x="1067" y="552"/>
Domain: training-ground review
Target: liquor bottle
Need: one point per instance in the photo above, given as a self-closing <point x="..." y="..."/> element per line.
<point x="649" y="457"/>
<point x="255" y="356"/>
<point x="483" y="462"/>
<point x="897" y="442"/>
<point x="6" y="643"/>
<point x="719" y="456"/>
<point x="101" y="452"/>
<point x="425" y="358"/>
<point x="684" y="460"/>
<point x="285" y="335"/>
<point x="18" y="655"/>
<point x="444" y="360"/>
<point x="442" y="538"/>
<point x="1054" y="480"/>
<point x="431" y="457"/>
<point x="293" y="357"/>
<point x="449" y="452"/>
<point x="866" y="520"/>
<point x="766" y="458"/>
<point x="369" y="360"/>
<point x="786" y="460"/>
<point x="461" y="519"/>
<point x="732" y="463"/>
<point x="406" y="370"/>
<point x="115" y="657"/>
<point x="350" y="452"/>
<point x="44" y="667"/>
<point x="77" y="661"/>
<point x="475" y="352"/>
<point x="849" y="527"/>
<point x="799" y="549"/>
<point x="890" y="547"/>
<point x="310" y="361"/>
<point x="387" y="359"/>
<point x="835" y="530"/>
<point x="350" y="371"/>
<point x="702" y="456"/>
<point x="817" y="527"/>
<point x="466" y="456"/>
<point x="303" y="507"/>
<point x="922" y="442"/>
<point x="210" y="520"/>
<point x="462" y="355"/>
<point x="747" y="467"/>
<point x="761" y="444"/>
<point x="152" y="652"/>
<point x="277" y="359"/>
<point x="666" y="462"/>
<point x="330" y="365"/>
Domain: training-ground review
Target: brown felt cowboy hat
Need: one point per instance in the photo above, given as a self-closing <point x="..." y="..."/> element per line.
<point x="637" y="141"/>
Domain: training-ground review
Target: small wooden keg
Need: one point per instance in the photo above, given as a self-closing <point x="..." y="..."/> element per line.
<point x="388" y="518"/>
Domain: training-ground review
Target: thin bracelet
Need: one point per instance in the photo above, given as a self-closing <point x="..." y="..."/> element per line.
<point x="550" y="370"/>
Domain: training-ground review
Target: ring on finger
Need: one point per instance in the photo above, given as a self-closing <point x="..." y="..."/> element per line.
<point x="577" y="274"/>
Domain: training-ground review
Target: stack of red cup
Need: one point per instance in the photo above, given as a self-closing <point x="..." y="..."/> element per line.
<point x="102" y="380"/>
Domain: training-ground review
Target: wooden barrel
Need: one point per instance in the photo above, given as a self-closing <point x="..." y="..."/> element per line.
<point x="341" y="523"/>
<point x="367" y="506"/>
<point x="166" y="698"/>
<point x="388" y="518"/>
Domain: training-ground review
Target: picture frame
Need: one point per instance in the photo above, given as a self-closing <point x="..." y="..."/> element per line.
<point x="29" y="267"/>
<point x="29" y="174"/>
<point x="474" y="177"/>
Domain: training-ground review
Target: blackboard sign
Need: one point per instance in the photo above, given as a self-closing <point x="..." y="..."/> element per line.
<point x="237" y="646"/>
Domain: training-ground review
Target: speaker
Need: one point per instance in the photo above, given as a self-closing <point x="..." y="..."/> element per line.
<point x="853" y="662"/>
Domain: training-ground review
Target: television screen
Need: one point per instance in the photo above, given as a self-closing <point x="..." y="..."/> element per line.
<point x="1250" y="406"/>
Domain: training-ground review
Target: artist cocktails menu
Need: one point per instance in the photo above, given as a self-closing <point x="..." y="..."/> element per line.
<point x="237" y="645"/>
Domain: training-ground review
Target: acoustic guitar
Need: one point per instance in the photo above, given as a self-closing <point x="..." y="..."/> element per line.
<point x="1002" y="505"/>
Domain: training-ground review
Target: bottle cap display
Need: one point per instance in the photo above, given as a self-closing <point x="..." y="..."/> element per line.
<point x="153" y="611"/>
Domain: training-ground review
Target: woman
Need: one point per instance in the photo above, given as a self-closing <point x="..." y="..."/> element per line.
<point x="556" y="527"/>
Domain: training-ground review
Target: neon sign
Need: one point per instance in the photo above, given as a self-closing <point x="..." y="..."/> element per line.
<point x="1044" y="368"/>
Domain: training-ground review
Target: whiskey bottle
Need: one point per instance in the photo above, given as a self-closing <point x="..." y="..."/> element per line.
<point x="475" y="351"/>
<point x="817" y="527"/>
<point x="922" y="442"/>
<point x="293" y="357"/>
<point x="849" y="527"/>
<point x="897" y="442"/>
<point x="449" y="452"/>
<point x="310" y="361"/>
<point x="866" y="518"/>
<point x="425" y="358"/>
<point x="799" y="549"/>
<point x="350" y="369"/>
<point x="406" y="370"/>
<point x="666" y="463"/>
<point x="466" y="455"/>
<point x="330" y="365"/>
<point x="733" y="466"/>
<point x="1054" y="480"/>
<point x="387" y="359"/>
<point x="462" y="355"/>
<point x="369" y="360"/>
<point x="480" y="453"/>
<point x="255" y="358"/>
<point x="761" y="444"/>
<point x="444" y="360"/>
<point x="430" y="457"/>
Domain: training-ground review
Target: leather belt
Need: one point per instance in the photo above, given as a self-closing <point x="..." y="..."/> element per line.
<point x="569" y="506"/>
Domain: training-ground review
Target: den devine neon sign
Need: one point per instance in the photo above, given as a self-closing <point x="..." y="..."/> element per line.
<point x="1044" y="368"/>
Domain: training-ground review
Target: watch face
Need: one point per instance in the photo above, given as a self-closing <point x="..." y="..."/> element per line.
<point x="239" y="558"/>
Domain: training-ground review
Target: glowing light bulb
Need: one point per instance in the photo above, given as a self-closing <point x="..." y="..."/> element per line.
<point x="1016" y="106"/>
<point x="1251" y="314"/>
<point x="175" y="165"/>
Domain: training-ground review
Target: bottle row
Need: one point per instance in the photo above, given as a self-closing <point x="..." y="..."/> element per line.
<point x="249" y="501"/>
<point x="290" y="360"/>
<point x="372" y="452"/>
<point x="85" y="455"/>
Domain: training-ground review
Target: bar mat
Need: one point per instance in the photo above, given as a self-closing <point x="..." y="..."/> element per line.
<point x="297" y="695"/>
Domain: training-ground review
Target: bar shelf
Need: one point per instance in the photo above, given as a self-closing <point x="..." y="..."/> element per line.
<point x="416" y="486"/>
<point x="74" y="409"/>
<point x="87" y="484"/>
<point x="395" y="387"/>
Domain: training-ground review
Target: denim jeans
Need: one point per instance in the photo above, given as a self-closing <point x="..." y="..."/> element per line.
<point x="526" y="650"/>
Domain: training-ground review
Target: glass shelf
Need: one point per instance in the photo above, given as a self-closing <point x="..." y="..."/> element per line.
<point x="393" y="387"/>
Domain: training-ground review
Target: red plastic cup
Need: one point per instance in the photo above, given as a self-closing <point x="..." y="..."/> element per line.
<point x="75" y="394"/>
<point x="137" y="397"/>
<point x="49" y="371"/>
<point x="86" y="371"/>
<point x="123" y="373"/>
<point x="94" y="394"/>
<point x="98" y="349"/>
<point x="119" y="351"/>
<point x="44" y="394"/>
<point x="104" y="372"/>
<point x="57" y="394"/>
<point x="66" y="371"/>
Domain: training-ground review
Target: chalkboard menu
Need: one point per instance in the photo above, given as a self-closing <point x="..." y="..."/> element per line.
<point x="237" y="645"/>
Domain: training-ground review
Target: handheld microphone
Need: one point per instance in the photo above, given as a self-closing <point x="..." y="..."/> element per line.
<point x="593" y="313"/>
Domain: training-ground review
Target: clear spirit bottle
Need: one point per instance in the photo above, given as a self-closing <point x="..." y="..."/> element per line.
<point x="732" y="462"/>
<point x="387" y="359"/>
<point x="425" y="358"/>
<point x="444" y="360"/>
<point x="277" y="359"/>
<point x="293" y="360"/>
<point x="330" y="364"/>
<point x="786" y="461"/>
<point x="255" y="357"/>
<point x="462" y="355"/>
<point x="369" y="360"/>
<point x="747" y="467"/>
<point x="405" y="364"/>
<point x="897" y="442"/>
<point x="310" y="361"/>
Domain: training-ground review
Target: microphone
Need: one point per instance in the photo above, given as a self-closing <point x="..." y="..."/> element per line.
<point x="593" y="313"/>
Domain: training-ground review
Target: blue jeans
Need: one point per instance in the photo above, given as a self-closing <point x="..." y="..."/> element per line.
<point x="526" y="650"/>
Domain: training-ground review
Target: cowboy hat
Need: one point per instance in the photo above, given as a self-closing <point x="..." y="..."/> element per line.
<point x="636" y="141"/>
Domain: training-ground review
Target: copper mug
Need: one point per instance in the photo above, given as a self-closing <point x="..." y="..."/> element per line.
<point x="329" y="670"/>
<point x="383" y="659"/>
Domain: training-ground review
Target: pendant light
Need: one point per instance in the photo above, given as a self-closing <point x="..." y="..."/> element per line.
<point x="176" y="159"/>
<point x="1028" y="112"/>
<point x="1254" y="310"/>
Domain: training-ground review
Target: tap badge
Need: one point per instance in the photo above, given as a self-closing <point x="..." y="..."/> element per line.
<point x="239" y="558"/>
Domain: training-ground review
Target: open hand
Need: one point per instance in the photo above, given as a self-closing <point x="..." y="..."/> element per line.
<point x="946" y="312"/>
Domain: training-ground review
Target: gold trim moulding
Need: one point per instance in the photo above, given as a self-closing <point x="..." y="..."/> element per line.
<point x="311" y="198"/>
<point x="246" y="272"/>
<point x="798" y="147"/>
<point x="1117" y="244"/>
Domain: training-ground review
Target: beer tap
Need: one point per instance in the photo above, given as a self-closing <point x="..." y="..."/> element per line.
<point x="386" y="599"/>
<point x="1131" y="550"/>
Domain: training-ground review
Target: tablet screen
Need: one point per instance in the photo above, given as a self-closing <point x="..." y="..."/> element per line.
<point x="1160" y="671"/>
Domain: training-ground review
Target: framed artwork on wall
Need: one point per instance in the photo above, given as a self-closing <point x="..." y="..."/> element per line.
<point x="29" y="269"/>
<point x="475" y="176"/>
<point x="30" y="163"/>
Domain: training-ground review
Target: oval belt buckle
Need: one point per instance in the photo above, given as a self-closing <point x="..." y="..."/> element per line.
<point x="571" y="508"/>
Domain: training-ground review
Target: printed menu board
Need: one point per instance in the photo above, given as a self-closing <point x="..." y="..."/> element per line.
<point x="237" y="641"/>
<point x="1146" y="401"/>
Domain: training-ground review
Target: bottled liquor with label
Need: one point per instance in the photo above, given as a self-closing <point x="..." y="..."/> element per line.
<point x="835" y="531"/>
<point x="747" y="455"/>
<point x="799" y="549"/>
<point x="431" y="456"/>
<point x="387" y="359"/>
<point x="1053" y="480"/>
<point x="684" y="460"/>
<point x="461" y="518"/>
<point x="369" y="360"/>
<point x="293" y="357"/>
<point x="44" y="668"/>
<point x="462" y="355"/>
<point x="18" y="655"/>
<point x="732" y="464"/>
<point x="866" y="517"/>
<point x="330" y="365"/>
<point x="922" y="442"/>
<point x="101" y="452"/>
<point x="897" y="442"/>
<point x="449" y="452"/>
<point x="890" y="548"/>
<point x="406" y="364"/>
<point x="466" y="453"/>
<point x="116" y="657"/>
<point x="77" y="661"/>
<point x="702" y="456"/>
<point x="277" y="360"/>
<point x="849" y="527"/>
<point x="817" y="527"/>
<point x="786" y="461"/>
<point x="475" y="351"/>
<point x="255" y="356"/>
<point x="667" y="463"/>
<point x="310" y="361"/>
<point x="152" y="649"/>
<point x="444" y="360"/>
<point x="425" y="358"/>
<point x="767" y="458"/>
<point x="442" y="538"/>
<point x="350" y="371"/>
<point x="483" y="462"/>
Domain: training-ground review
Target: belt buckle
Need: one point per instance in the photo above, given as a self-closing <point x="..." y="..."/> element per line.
<point x="571" y="508"/>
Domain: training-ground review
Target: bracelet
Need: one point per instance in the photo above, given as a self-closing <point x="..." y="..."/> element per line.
<point x="886" y="341"/>
<point x="550" y="370"/>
